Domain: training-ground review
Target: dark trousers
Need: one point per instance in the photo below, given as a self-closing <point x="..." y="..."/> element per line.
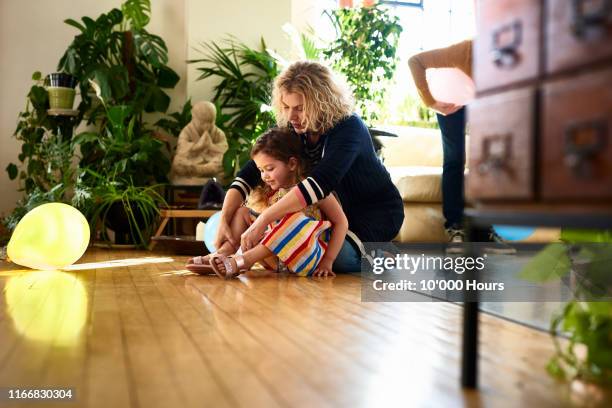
<point x="453" y="147"/>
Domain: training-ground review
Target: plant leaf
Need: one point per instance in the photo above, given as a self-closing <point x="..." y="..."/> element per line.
<point x="550" y="263"/>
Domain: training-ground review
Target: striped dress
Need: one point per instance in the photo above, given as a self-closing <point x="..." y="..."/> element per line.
<point x="299" y="239"/>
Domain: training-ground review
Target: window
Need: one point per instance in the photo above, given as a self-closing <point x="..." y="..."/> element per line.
<point x="435" y="24"/>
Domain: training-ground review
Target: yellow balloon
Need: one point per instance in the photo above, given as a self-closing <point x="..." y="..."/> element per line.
<point x="51" y="236"/>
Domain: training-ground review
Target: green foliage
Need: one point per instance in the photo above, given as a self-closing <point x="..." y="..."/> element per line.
<point x="365" y="52"/>
<point x="129" y="66"/>
<point x="242" y="96"/>
<point x="32" y="200"/>
<point x="177" y="120"/>
<point x="140" y="204"/>
<point x="588" y="324"/>
<point x="45" y="151"/>
<point x="126" y="61"/>
<point x="118" y="150"/>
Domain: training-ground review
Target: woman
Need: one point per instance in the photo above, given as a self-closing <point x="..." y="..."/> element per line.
<point x="451" y="118"/>
<point x="338" y="145"/>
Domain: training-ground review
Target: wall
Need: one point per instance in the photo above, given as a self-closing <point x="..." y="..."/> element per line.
<point x="246" y="20"/>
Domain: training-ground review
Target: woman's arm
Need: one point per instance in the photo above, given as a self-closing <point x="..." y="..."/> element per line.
<point x="333" y="212"/>
<point x="455" y="56"/>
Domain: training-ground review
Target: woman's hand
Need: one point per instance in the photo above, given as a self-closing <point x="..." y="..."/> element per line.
<point x="324" y="269"/>
<point x="253" y="235"/>
<point x="445" y="108"/>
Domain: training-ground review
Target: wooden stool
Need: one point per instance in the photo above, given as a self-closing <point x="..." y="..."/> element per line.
<point x="167" y="214"/>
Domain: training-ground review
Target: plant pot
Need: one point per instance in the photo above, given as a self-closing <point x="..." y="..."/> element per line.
<point x="117" y="220"/>
<point x="61" y="79"/>
<point x="60" y="97"/>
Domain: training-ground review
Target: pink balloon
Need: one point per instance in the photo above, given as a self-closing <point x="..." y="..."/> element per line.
<point x="450" y="85"/>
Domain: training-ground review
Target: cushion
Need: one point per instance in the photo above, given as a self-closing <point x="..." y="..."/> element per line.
<point x="412" y="147"/>
<point x="422" y="223"/>
<point x="418" y="184"/>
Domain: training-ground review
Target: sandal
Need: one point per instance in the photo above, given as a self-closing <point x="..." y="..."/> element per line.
<point x="230" y="272"/>
<point x="200" y="265"/>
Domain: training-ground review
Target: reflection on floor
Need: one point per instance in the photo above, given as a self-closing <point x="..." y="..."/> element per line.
<point x="135" y="329"/>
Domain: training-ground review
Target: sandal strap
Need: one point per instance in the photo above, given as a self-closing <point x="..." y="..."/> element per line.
<point x="229" y="268"/>
<point x="240" y="263"/>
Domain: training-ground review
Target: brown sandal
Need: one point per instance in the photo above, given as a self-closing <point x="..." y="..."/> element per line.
<point x="230" y="272"/>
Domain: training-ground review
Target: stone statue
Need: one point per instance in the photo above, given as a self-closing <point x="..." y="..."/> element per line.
<point x="200" y="148"/>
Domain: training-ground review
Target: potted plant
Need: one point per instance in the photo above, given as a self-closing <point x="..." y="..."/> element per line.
<point x="130" y="211"/>
<point x="582" y="259"/>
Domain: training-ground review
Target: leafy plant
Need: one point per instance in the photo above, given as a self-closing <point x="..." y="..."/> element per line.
<point x="365" y="52"/>
<point x="587" y="323"/>
<point x="130" y="66"/>
<point x="127" y="62"/>
<point x="242" y="96"/>
<point x="177" y="121"/>
<point x="114" y="202"/>
<point x="119" y="150"/>
<point x="46" y="151"/>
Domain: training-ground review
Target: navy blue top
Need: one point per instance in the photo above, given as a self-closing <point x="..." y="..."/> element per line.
<point x="349" y="167"/>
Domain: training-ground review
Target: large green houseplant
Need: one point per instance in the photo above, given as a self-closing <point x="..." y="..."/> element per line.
<point x="128" y="63"/>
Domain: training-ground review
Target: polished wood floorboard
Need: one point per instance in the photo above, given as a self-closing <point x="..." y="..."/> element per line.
<point x="135" y="329"/>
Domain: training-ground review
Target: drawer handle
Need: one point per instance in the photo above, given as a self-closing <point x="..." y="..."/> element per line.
<point x="505" y="54"/>
<point x="580" y="152"/>
<point x="590" y="26"/>
<point x="496" y="152"/>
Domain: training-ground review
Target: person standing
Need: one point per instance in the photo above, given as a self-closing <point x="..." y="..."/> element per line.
<point x="452" y="120"/>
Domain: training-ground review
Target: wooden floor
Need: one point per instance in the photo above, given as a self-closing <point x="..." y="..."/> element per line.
<point x="134" y="329"/>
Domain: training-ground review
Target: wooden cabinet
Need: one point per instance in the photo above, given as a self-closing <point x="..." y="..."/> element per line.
<point x="578" y="32"/>
<point x="545" y="135"/>
<point x="508" y="45"/>
<point x="501" y="151"/>
<point x="576" y="148"/>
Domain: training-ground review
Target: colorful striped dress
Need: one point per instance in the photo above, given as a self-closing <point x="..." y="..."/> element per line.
<point x="299" y="239"/>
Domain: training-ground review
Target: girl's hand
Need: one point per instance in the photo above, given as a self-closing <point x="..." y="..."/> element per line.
<point x="224" y="234"/>
<point x="253" y="235"/>
<point x="324" y="269"/>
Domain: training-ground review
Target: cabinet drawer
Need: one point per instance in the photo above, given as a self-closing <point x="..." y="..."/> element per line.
<point x="577" y="137"/>
<point x="578" y="32"/>
<point x="507" y="48"/>
<point x="501" y="146"/>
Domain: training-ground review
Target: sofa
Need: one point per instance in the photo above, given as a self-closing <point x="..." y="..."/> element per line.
<point x="414" y="161"/>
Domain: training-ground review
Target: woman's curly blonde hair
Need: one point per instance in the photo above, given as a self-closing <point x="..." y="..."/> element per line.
<point x="327" y="99"/>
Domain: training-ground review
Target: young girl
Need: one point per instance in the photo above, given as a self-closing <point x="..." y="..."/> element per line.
<point x="300" y="240"/>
